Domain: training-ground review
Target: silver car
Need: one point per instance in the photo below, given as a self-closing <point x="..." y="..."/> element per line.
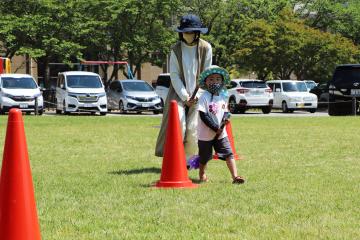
<point x="132" y="95"/>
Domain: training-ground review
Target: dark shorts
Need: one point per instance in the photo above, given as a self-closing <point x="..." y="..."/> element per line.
<point x="222" y="148"/>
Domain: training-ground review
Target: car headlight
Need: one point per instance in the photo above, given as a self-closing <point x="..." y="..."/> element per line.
<point x="72" y="95"/>
<point x="8" y="95"/>
<point x="102" y="94"/>
<point x="130" y="97"/>
<point x="37" y="95"/>
<point x="295" y="99"/>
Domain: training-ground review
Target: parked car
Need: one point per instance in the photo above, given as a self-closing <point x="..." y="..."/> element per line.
<point x="133" y="95"/>
<point x="162" y="86"/>
<point x="310" y="84"/>
<point x="80" y="91"/>
<point x="322" y="93"/>
<point x="344" y="88"/>
<point x="290" y="95"/>
<point x="20" y="91"/>
<point x="249" y="93"/>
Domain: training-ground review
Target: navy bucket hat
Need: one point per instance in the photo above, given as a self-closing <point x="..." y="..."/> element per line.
<point x="191" y="23"/>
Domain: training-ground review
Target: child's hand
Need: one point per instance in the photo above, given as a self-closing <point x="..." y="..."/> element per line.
<point x="191" y="102"/>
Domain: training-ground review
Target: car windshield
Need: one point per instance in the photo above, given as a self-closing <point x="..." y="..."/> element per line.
<point x="23" y="83"/>
<point x="81" y="81"/>
<point x="347" y="75"/>
<point x="254" y="84"/>
<point x="310" y="84"/>
<point x="294" y="87"/>
<point x="137" y="86"/>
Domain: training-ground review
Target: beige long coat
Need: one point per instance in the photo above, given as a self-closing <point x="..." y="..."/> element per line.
<point x="191" y="118"/>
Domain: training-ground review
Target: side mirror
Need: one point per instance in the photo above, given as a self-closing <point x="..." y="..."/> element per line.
<point x="118" y="90"/>
<point x="277" y="90"/>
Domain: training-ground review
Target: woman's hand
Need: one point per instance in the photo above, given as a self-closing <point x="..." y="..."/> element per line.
<point x="190" y="102"/>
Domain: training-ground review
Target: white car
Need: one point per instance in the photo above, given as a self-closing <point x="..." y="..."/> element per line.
<point x="310" y="84"/>
<point x="249" y="93"/>
<point x="133" y="95"/>
<point x="162" y="86"/>
<point x="80" y="91"/>
<point x="20" y="91"/>
<point x="290" y="95"/>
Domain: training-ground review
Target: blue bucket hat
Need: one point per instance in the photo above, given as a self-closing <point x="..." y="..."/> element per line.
<point x="191" y="23"/>
<point x="212" y="70"/>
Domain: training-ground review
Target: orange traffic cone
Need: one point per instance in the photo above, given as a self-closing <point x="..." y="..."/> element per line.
<point x="18" y="217"/>
<point x="231" y="140"/>
<point x="174" y="173"/>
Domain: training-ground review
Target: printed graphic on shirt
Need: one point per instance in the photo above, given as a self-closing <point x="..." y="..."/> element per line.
<point x="215" y="106"/>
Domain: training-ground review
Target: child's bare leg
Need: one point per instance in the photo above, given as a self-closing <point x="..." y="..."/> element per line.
<point x="202" y="175"/>
<point x="230" y="162"/>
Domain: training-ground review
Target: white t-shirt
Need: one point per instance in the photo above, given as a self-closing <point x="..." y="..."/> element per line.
<point x="190" y="66"/>
<point x="215" y="107"/>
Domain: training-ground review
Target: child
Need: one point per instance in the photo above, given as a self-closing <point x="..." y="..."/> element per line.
<point x="212" y="108"/>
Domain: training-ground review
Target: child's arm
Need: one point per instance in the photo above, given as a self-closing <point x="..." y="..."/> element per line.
<point x="223" y="123"/>
<point x="208" y="121"/>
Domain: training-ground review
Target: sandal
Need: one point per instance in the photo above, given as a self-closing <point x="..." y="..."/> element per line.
<point x="238" y="180"/>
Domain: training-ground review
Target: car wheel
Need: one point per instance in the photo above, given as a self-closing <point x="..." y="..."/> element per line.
<point x="64" y="109"/>
<point x="284" y="107"/>
<point x="103" y="113"/>
<point x="233" y="108"/>
<point x="312" y="110"/>
<point x="241" y="110"/>
<point x="121" y="107"/>
<point x="339" y="108"/>
<point x="266" y="110"/>
<point x="58" y="111"/>
<point x="156" y="112"/>
<point x="40" y="112"/>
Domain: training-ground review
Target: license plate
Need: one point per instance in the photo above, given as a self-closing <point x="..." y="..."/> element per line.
<point x="23" y="105"/>
<point x="145" y="105"/>
<point x="88" y="105"/>
<point x="355" y="92"/>
<point x="300" y="104"/>
<point x="256" y="92"/>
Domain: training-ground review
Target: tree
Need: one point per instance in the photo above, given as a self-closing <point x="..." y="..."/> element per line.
<point x="42" y="29"/>
<point x="336" y="16"/>
<point x="133" y="31"/>
<point x="257" y="49"/>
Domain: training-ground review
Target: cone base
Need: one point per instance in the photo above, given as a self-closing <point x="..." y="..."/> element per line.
<point x="172" y="184"/>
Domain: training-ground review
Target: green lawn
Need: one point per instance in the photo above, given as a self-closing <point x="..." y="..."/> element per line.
<point x="92" y="178"/>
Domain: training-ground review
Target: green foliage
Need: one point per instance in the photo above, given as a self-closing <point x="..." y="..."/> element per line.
<point x="286" y="46"/>
<point x="267" y="37"/>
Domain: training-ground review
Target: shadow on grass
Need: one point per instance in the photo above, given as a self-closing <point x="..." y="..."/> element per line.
<point x="137" y="171"/>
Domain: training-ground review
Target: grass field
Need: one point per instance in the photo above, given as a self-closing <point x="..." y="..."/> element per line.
<point x="92" y="178"/>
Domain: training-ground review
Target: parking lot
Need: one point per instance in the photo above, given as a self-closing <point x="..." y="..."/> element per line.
<point x="250" y="113"/>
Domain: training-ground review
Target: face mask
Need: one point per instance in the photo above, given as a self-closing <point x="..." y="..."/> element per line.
<point x="189" y="37"/>
<point x="214" y="88"/>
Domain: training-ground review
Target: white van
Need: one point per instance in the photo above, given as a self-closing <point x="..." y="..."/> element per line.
<point x="20" y="91"/>
<point x="79" y="91"/>
<point x="290" y="95"/>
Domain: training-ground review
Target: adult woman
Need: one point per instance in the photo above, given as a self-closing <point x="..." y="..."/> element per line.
<point x="189" y="57"/>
